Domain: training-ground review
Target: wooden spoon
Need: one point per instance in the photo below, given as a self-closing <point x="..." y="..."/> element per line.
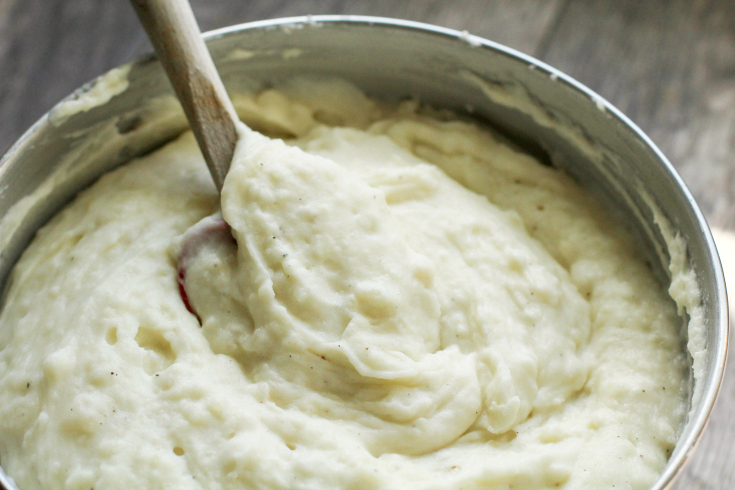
<point x="178" y="42"/>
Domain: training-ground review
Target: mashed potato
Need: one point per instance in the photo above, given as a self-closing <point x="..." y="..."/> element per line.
<point x="409" y="302"/>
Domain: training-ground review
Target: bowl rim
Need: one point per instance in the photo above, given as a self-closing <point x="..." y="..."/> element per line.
<point x="697" y="425"/>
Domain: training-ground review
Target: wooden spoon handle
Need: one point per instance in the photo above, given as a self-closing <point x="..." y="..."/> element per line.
<point x="175" y="35"/>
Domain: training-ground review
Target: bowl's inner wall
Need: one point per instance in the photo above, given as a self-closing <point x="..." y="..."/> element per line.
<point x="389" y="62"/>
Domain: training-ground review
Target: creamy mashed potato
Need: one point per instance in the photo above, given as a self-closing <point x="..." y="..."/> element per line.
<point x="409" y="302"/>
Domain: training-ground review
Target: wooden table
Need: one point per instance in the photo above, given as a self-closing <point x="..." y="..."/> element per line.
<point x="669" y="65"/>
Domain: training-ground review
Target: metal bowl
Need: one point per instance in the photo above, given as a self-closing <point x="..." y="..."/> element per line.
<point x="544" y="111"/>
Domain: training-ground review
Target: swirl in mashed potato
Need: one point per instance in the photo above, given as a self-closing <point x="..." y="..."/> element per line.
<point x="409" y="302"/>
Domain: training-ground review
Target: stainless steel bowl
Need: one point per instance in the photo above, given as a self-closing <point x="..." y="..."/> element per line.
<point x="546" y="112"/>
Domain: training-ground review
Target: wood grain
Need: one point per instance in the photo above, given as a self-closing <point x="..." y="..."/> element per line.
<point x="174" y="33"/>
<point x="670" y="67"/>
<point x="668" y="64"/>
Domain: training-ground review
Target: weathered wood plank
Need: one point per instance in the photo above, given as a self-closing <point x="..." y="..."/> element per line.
<point x="49" y="48"/>
<point x="670" y="67"/>
<point x="498" y="21"/>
